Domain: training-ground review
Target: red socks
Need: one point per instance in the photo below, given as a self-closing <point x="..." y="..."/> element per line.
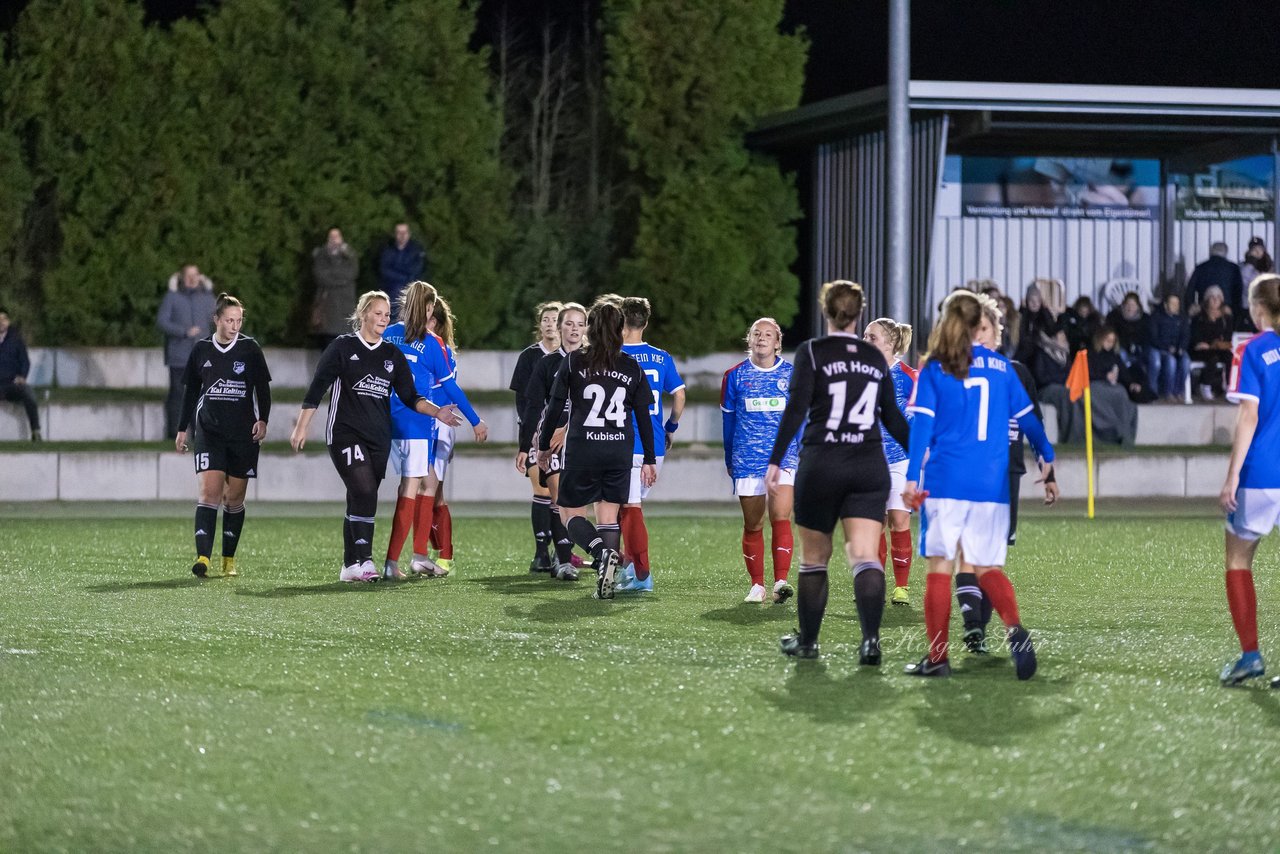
<point x="635" y="539"/>
<point x="884" y="549"/>
<point x="937" y="614"/>
<point x="901" y="557"/>
<point x="999" y="590"/>
<point x="422" y="525"/>
<point x="753" y="554"/>
<point x="1243" y="602"/>
<point x="442" y="531"/>
<point x="401" y="524"/>
<point x="782" y="546"/>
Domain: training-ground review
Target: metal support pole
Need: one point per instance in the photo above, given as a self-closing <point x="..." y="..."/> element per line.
<point x="898" y="155"/>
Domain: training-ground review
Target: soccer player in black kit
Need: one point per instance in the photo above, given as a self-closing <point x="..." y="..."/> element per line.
<point x="361" y="370"/>
<point x="842" y="386"/>
<point x="547" y="341"/>
<point x="228" y="396"/>
<point x="603" y="387"/>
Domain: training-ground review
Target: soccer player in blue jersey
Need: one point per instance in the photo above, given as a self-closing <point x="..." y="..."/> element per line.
<point x="753" y="395"/>
<point x="963" y="401"/>
<point x="411" y="432"/>
<point x="660" y="369"/>
<point x="434" y="521"/>
<point x="1251" y="494"/>
<point x="893" y="339"/>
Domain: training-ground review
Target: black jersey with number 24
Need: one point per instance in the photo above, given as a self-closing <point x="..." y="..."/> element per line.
<point x="841" y="384"/>
<point x="600" y="405"/>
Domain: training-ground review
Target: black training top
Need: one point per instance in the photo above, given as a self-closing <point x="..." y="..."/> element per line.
<point x="361" y="376"/>
<point x="529" y="357"/>
<point x="841" y="385"/>
<point x="228" y="388"/>
<point x="600" y="434"/>
<point x="536" y="394"/>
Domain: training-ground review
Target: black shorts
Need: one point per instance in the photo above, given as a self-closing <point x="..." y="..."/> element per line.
<point x="237" y="458"/>
<point x="835" y="485"/>
<point x="554" y="467"/>
<point x="580" y="487"/>
<point x="350" y="452"/>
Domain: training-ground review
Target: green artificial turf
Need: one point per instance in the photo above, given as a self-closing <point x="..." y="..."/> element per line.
<point x="144" y="710"/>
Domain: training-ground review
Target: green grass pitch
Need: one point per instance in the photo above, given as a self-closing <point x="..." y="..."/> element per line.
<point x="143" y="710"/>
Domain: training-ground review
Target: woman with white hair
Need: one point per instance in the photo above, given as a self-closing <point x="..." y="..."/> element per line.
<point x="1211" y="342"/>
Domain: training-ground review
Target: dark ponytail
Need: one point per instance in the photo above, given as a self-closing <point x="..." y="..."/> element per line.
<point x="226" y="301"/>
<point x="951" y="341"/>
<point x="604" y="335"/>
<point x="841" y="302"/>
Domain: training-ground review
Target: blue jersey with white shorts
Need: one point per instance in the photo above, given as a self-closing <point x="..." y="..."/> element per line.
<point x="752" y="400"/>
<point x="1255" y="375"/>
<point x="903" y="385"/>
<point x="429" y="364"/>
<point x="660" y="369"/>
<point x="964" y="425"/>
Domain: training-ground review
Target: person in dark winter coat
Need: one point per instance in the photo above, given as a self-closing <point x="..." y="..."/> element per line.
<point x="1167" y="361"/>
<point x="402" y="261"/>
<point x="334" y="267"/>
<point x="185" y="316"/>
<point x="1115" y="415"/>
<point x="1133" y="335"/>
<point x="1216" y="270"/>
<point x="1080" y="322"/>
<point x="15" y="365"/>
<point x="1211" y="343"/>
<point x="1035" y="319"/>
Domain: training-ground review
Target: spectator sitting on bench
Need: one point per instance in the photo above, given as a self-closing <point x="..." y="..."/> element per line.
<point x="1211" y="343"/>
<point x="15" y="364"/>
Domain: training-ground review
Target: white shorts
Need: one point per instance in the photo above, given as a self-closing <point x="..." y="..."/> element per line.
<point x="442" y="452"/>
<point x="638" y="491"/>
<point x="1257" y="513"/>
<point x="980" y="528"/>
<point x="897" y="483"/>
<point x="411" y="457"/>
<point x="755" y="485"/>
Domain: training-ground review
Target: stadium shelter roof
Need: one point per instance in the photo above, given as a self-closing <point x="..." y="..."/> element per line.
<point x="836" y="148"/>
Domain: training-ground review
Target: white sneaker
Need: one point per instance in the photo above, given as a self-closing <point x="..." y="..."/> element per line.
<point x="426" y="567"/>
<point x="1206" y="392"/>
<point x="356" y="572"/>
<point x="369" y="572"/>
<point x="756" y="595"/>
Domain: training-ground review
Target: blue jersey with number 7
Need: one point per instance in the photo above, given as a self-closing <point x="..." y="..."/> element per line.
<point x="964" y="425"/>
<point x="660" y="369"/>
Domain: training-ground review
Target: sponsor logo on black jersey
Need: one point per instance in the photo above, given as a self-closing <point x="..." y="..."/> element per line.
<point x="238" y="367"/>
<point x="373" y="386"/>
<point x="224" y="389"/>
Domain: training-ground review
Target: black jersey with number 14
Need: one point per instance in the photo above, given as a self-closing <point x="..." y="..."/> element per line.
<point x="600" y="406"/>
<point x="361" y="377"/>
<point x="841" y="384"/>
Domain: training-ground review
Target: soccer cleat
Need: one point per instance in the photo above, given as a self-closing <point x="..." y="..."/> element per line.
<point x="975" y="640"/>
<point x="782" y="591"/>
<point x="790" y="645"/>
<point x="1247" y="666"/>
<point x="542" y="563"/>
<point x="1275" y="683"/>
<point x="925" y="667"/>
<point x="358" y="572"/>
<point x="391" y="571"/>
<point x="1024" y="654"/>
<point x="756" y="594"/>
<point x="869" y="652"/>
<point x="631" y="584"/>
<point x="229" y="567"/>
<point x="201" y="567"/>
<point x="627" y="573"/>
<point x="577" y="561"/>
<point x="445" y="563"/>
<point x="900" y="596"/>
<point x="425" y="567"/>
<point x="605" y="574"/>
<point x="566" y="572"/>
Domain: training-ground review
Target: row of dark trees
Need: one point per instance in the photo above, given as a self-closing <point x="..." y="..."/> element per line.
<point x="598" y="149"/>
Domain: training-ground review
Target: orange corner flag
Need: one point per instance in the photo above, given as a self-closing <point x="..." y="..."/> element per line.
<point x="1078" y="379"/>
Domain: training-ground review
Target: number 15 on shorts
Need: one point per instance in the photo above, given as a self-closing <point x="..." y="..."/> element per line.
<point x="353" y="454"/>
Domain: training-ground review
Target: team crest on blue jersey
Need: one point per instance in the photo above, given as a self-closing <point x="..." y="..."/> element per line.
<point x="238" y="367"/>
<point x="782" y="386"/>
<point x="387" y="364"/>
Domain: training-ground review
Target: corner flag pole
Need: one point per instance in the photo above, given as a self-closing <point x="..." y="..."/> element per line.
<point x="1077" y="387"/>
<point x="1088" y="443"/>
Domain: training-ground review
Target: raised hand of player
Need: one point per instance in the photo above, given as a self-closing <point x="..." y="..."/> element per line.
<point x="449" y="415"/>
<point x="180" y="441"/>
<point x="648" y="474"/>
<point x="481" y="430"/>
<point x="259" y="431"/>
<point x="522" y="462"/>
<point x="1050" y="481"/>
<point x="1227" y="497"/>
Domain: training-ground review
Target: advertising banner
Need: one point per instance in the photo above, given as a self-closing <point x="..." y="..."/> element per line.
<point x="1060" y="187"/>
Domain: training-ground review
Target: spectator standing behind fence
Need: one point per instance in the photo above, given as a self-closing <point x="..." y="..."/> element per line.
<point x="1167" y="360"/>
<point x="1211" y="343"/>
<point x="185" y="316"/>
<point x="403" y="260"/>
<point x="334" y="267"/>
<point x="15" y="365"/>
<point x="1115" y="415"/>
<point x="1256" y="262"/>
<point x="1215" y="270"/>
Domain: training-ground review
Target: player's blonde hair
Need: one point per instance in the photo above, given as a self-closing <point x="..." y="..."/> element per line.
<point x="445" y="321"/>
<point x="541" y="309"/>
<point x="417" y="301"/>
<point x="767" y="321"/>
<point x="362" y="307"/>
<point x="899" y="334"/>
